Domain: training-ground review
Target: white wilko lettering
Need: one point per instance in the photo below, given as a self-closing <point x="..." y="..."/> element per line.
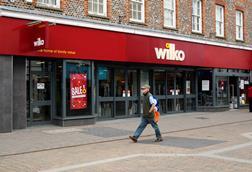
<point x="170" y="53"/>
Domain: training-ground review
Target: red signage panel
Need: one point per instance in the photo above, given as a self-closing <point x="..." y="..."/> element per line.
<point x="78" y="91"/>
<point x="92" y="44"/>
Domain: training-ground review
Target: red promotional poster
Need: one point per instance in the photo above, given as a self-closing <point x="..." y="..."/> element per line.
<point x="78" y="86"/>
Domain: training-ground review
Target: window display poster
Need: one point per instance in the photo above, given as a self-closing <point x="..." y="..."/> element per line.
<point x="205" y="85"/>
<point x="188" y="87"/>
<point x="40" y="86"/>
<point x="242" y="84"/>
<point x="78" y="89"/>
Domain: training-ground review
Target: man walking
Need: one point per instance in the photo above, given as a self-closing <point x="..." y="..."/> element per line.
<point x="148" y="116"/>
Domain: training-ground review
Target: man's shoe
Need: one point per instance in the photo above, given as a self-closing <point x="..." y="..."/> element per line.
<point x="159" y="139"/>
<point x="133" y="139"/>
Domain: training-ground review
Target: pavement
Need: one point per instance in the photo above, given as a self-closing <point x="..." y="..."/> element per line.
<point x="197" y="141"/>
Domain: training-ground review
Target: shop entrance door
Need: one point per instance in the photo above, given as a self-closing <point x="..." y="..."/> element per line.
<point x="175" y="92"/>
<point x="40" y="92"/>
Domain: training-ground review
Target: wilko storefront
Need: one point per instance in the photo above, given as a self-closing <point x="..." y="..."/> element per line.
<point x="71" y="73"/>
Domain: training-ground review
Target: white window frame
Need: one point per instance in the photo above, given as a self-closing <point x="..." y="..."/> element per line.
<point x="48" y="3"/>
<point x="170" y="13"/>
<point x="219" y="24"/>
<point x="239" y="25"/>
<point x="91" y="6"/>
<point x="197" y="16"/>
<point x="136" y="3"/>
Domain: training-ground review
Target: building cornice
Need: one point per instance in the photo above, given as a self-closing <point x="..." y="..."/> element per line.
<point x="13" y="12"/>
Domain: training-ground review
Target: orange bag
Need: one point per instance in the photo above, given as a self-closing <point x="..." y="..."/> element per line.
<point x="156" y="116"/>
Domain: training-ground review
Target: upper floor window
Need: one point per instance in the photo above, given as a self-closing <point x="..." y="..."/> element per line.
<point x="219" y="20"/>
<point x="239" y="25"/>
<point x="97" y="7"/>
<point x="170" y="13"/>
<point x="137" y="10"/>
<point x="49" y="3"/>
<point x="197" y="16"/>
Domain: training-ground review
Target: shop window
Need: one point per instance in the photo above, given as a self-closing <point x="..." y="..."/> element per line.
<point x="144" y="78"/>
<point x="205" y="96"/>
<point x="133" y="108"/>
<point x="162" y="105"/>
<point x="159" y="77"/>
<point x="105" y="109"/>
<point x="78" y="87"/>
<point x="243" y="86"/>
<point x="190" y="83"/>
<point x="40" y="66"/>
<point x="179" y="84"/>
<point x="179" y="105"/>
<point x="170" y="84"/>
<point x="170" y="105"/>
<point x="132" y="83"/>
<point x="222" y="91"/>
<point x="190" y="104"/>
<point x="41" y="88"/>
<point x="120" y="108"/>
<point x="120" y="83"/>
<point x="97" y="7"/>
<point x="105" y="77"/>
<point x="49" y="3"/>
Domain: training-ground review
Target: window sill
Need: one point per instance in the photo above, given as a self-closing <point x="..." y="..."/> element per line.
<point x="220" y="37"/>
<point x="137" y="22"/>
<point x="48" y="7"/>
<point x="170" y="28"/>
<point x="239" y="40"/>
<point x="98" y="16"/>
<point x="198" y="33"/>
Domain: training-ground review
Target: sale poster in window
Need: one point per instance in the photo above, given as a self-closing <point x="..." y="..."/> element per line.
<point x="78" y="89"/>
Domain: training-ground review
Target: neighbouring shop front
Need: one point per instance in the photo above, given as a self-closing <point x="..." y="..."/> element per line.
<point x="97" y="74"/>
<point x="222" y="89"/>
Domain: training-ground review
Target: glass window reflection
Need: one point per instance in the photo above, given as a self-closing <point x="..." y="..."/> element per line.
<point x="105" y="76"/>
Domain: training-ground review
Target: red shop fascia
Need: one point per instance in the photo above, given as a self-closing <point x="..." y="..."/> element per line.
<point x="20" y="37"/>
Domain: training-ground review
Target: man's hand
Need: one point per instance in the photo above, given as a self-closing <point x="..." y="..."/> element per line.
<point x="152" y="108"/>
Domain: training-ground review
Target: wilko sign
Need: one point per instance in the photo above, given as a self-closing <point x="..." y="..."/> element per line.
<point x="170" y="53"/>
<point x="78" y="91"/>
<point x="39" y="42"/>
<point x="34" y="37"/>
